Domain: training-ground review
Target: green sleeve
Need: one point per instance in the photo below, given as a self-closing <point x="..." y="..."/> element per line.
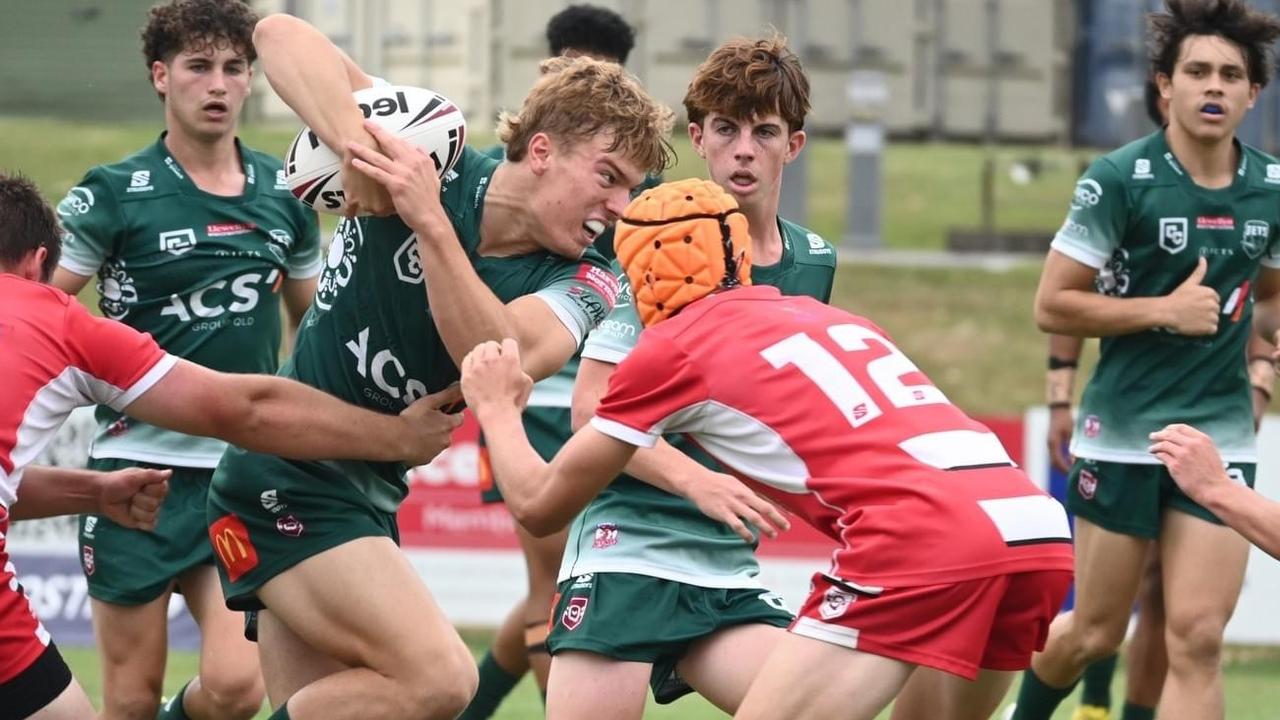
<point x="92" y="225"/>
<point x="1099" y="215"/>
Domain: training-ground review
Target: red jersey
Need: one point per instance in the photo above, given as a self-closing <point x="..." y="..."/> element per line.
<point x="55" y="357"/>
<point x="820" y="411"/>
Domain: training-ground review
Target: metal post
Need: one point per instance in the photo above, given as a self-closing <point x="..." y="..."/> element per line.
<point x="794" y="202"/>
<point x="991" y="122"/>
<point x="867" y="94"/>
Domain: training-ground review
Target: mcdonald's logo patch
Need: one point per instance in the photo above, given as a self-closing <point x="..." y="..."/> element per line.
<point x="230" y="540"/>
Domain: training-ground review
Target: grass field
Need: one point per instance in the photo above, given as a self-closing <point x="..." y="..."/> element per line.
<point x="1253" y="692"/>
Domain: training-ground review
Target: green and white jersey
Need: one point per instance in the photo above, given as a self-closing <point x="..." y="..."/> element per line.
<point x="633" y="527"/>
<point x="369" y="338"/>
<point x="202" y="273"/>
<point x="1138" y="218"/>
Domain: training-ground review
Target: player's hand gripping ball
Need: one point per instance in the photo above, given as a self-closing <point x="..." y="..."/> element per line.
<point x="680" y="242"/>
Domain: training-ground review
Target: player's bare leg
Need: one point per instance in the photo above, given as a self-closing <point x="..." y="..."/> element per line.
<point x="1146" y="660"/>
<point x="722" y="666"/>
<point x="587" y="686"/>
<point x="133" y="643"/>
<point x="807" y="679"/>
<point x="503" y="665"/>
<point x="542" y="564"/>
<point x="1204" y="568"/>
<point x="289" y="663"/>
<point x="935" y="695"/>
<point x="229" y="684"/>
<point x="1108" y="568"/>
<point x="508" y="645"/>
<point x="405" y="659"/>
<point x="71" y="704"/>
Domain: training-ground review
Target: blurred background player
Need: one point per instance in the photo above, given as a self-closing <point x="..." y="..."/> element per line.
<point x="504" y="249"/>
<point x="232" y="242"/>
<point x="57" y="357"/>
<point x="947" y="556"/>
<point x="1166" y="315"/>
<point x="672" y="583"/>
<point x="521" y="641"/>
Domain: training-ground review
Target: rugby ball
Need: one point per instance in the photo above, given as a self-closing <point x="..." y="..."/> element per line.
<point x="421" y="117"/>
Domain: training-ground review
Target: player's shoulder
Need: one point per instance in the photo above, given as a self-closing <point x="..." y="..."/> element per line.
<point x="28" y="293"/>
<point x="147" y="173"/>
<point x="268" y="170"/>
<point x="1261" y="169"/>
<point x="809" y="247"/>
<point x="1145" y="161"/>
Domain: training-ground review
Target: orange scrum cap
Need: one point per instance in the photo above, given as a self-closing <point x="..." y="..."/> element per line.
<point x="679" y="242"/>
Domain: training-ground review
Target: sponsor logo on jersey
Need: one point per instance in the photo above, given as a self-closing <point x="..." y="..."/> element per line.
<point x="1173" y="163"/>
<point x="238" y="297"/>
<point x="86" y="559"/>
<point x="280" y="181"/>
<point x="1235" y="303"/>
<point x="228" y="229"/>
<point x="79" y="200"/>
<point x="1256" y="235"/>
<point x="582" y="582"/>
<point x="290" y="525"/>
<point x="279" y="243"/>
<point x="340" y="265"/>
<point x="1173" y="235"/>
<point x="775" y="601"/>
<point x="117" y="291"/>
<point x="1215" y="222"/>
<point x="1073" y="229"/>
<point x="140" y="181"/>
<point x="250" y="174"/>
<point x="1142" y="169"/>
<point x="387" y="373"/>
<point x="1237" y="475"/>
<point x="90" y="522"/>
<point x="173" y="166"/>
<point x="835" y="603"/>
<point x="602" y="281"/>
<point x="606" y="536"/>
<point x="177" y="242"/>
<point x="1092" y="426"/>
<point x="408" y="261"/>
<point x="1088" y="194"/>
<point x="1273" y="174"/>
<point x="817" y="246"/>
<point x="231" y="544"/>
<point x="573" y="613"/>
<point x="1087" y="484"/>
<point x="271" y="502"/>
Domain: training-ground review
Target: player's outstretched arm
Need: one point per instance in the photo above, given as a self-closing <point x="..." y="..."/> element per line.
<point x="543" y="497"/>
<point x="1068" y="304"/>
<point x="275" y="415"/>
<point x="1196" y="466"/>
<point x="130" y="497"/>
<point x="720" y="497"/>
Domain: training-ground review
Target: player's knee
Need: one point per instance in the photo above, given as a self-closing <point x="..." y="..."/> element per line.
<point x="136" y="703"/>
<point x="234" y="695"/>
<point x="1195" y="639"/>
<point x="444" y="687"/>
<point x="1098" y="640"/>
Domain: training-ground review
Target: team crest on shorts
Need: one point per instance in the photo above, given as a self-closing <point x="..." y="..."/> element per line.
<point x="835" y="602"/>
<point x="86" y="557"/>
<point x="1087" y="484"/>
<point x="573" y="613"/>
<point x="1092" y="426"/>
<point x="290" y="525"/>
<point x="606" y="536"/>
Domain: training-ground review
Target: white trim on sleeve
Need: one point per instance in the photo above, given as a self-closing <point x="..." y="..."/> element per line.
<point x="157" y="371"/>
<point x="1078" y="252"/>
<point x="603" y="353"/>
<point x="310" y="270"/>
<point x="628" y="435"/>
<point x="565" y="316"/>
<point x="67" y="262"/>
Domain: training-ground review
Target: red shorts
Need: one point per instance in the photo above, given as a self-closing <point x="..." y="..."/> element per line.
<point x="992" y="623"/>
<point x="22" y="637"/>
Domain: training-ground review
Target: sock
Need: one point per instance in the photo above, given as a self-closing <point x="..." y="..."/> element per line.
<point x="1137" y="712"/>
<point x="1037" y="701"/>
<point x="173" y="710"/>
<point x="495" y="684"/>
<point x="281" y="714"/>
<point x="1097" y="682"/>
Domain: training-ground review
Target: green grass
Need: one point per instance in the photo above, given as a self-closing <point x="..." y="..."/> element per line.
<point x="1252" y="689"/>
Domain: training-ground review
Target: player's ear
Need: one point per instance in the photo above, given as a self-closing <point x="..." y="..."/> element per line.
<point x="160" y="77"/>
<point x="541" y="148"/>
<point x="795" y="143"/>
<point x="695" y="137"/>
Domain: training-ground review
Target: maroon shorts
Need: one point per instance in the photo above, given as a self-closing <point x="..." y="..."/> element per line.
<point x="992" y="623"/>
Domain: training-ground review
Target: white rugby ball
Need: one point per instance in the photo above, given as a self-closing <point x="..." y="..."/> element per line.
<point x="421" y="117"/>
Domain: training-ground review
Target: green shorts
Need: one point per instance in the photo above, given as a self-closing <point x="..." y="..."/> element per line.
<point x="1130" y="498"/>
<point x="267" y="514"/>
<point x="638" y="618"/>
<point x="548" y="428"/>
<point x="133" y="567"/>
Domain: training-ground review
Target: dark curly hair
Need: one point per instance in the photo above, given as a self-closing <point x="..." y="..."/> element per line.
<point x="27" y="223"/>
<point x="196" y="25"/>
<point x="1253" y="31"/>
<point x="592" y="30"/>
